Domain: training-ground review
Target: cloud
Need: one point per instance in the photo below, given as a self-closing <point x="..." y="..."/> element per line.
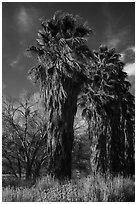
<point x="36" y="96"/>
<point x="130" y="69"/>
<point x="26" y="18"/>
<point x="129" y="59"/>
<point x="117" y="39"/>
<point x="113" y="41"/>
<point x="34" y="99"/>
<point x="128" y="54"/>
<point x="132" y="48"/>
<point x="122" y="57"/>
<point x="114" y="35"/>
<point x="23" y="20"/>
<point x="15" y="62"/>
<point x="118" y="36"/>
<point x="18" y="62"/>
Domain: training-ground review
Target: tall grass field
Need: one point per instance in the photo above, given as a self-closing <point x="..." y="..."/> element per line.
<point x="89" y="189"/>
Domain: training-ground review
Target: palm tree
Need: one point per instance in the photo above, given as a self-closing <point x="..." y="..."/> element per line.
<point x="109" y="109"/>
<point x="62" y="69"/>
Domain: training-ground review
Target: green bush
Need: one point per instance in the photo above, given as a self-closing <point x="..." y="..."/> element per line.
<point x="89" y="189"/>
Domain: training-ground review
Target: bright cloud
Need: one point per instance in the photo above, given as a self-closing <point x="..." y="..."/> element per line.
<point x="122" y="57"/>
<point x="130" y="69"/>
<point x="132" y="48"/>
<point x="129" y="53"/>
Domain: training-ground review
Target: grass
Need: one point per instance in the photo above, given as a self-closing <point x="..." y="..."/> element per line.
<point x="88" y="189"/>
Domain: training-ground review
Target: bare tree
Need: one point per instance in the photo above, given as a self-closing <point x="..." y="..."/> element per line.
<point x="24" y="138"/>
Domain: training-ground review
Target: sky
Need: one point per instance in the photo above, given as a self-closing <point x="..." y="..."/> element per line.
<point x="113" y="24"/>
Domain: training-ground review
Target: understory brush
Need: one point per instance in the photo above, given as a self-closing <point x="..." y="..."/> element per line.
<point x="89" y="189"/>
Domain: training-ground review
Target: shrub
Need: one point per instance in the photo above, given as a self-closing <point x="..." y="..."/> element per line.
<point x="89" y="189"/>
<point x="16" y="182"/>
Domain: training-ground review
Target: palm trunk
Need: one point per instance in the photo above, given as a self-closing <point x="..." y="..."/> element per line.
<point x="61" y="136"/>
<point x="95" y="136"/>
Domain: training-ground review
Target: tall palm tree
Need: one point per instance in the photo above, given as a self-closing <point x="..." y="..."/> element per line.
<point x="109" y="109"/>
<point x="62" y="69"/>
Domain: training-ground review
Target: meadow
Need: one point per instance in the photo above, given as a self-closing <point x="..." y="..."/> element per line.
<point x="87" y="189"/>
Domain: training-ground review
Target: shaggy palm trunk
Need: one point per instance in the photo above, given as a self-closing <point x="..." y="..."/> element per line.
<point x="61" y="136"/>
<point x="117" y="141"/>
<point x="96" y="136"/>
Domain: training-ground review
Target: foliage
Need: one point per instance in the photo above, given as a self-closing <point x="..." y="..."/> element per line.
<point x="109" y="109"/>
<point x="89" y="189"/>
<point x="24" y="138"/>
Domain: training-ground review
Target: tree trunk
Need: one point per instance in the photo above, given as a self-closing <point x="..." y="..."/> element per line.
<point x="61" y="136"/>
<point x="19" y="167"/>
<point x="28" y="172"/>
<point x="11" y="167"/>
<point x="97" y="140"/>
